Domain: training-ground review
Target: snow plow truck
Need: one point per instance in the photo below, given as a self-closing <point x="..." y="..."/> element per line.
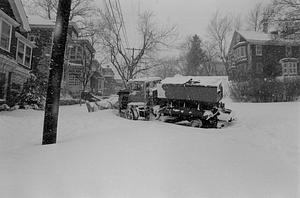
<point x="193" y="99"/>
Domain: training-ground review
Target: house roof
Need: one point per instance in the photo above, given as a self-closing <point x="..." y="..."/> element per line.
<point x="107" y="71"/>
<point x="253" y="36"/>
<point x="19" y="12"/>
<point x="266" y="38"/>
<point x="35" y="20"/>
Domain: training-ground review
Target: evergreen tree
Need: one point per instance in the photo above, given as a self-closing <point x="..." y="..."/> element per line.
<point x="195" y="57"/>
<point x="34" y="91"/>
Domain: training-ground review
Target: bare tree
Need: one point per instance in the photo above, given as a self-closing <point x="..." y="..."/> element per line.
<point x="237" y="22"/>
<point x="255" y="17"/>
<point x="211" y="57"/>
<point x="169" y="67"/>
<point x="48" y="8"/>
<point x="219" y="31"/>
<point x="113" y="35"/>
<point x="286" y="9"/>
<point x="287" y="3"/>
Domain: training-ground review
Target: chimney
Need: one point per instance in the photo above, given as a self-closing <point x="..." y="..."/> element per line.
<point x="265" y="26"/>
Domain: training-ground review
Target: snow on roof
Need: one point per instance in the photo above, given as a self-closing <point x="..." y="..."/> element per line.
<point x="38" y="20"/>
<point x="255" y="36"/>
<point x="145" y="79"/>
<point x="196" y="80"/>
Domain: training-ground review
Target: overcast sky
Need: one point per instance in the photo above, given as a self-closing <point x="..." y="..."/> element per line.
<point x="190" y="16"/>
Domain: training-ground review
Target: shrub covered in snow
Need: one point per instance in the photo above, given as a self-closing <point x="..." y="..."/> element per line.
<point x="33" y="93"/>
<point x="265" y="90"/>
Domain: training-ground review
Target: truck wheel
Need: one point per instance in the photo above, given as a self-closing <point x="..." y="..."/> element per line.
<point x="196" y="123"/>
<point x="128" y="114"/>
<point x="135" y="114"/>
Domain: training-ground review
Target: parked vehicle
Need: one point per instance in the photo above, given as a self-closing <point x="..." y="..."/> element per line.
<point x="181" y="98"/>
<point x="137" y="100"/>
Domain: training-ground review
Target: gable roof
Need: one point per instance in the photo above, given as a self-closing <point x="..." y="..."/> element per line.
<point x="20" y="14"/>
<point x="38" y="21"/>
<point x="264" y="38"/>
<point x="253" y="36"/>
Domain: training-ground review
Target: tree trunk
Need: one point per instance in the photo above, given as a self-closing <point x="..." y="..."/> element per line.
<point x="56" y="72"/>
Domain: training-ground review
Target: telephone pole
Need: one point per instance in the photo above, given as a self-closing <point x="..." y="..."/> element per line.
<point x="56" y="72"/>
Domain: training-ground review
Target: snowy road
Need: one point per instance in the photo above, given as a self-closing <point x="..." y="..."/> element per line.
<point x="101" y="155"/>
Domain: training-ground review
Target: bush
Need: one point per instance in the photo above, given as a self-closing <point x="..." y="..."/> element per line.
<point x="265" y="90"/>
<point x="33" y="92"/>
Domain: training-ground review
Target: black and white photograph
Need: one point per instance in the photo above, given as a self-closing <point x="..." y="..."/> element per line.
<point x="149" y="98"/>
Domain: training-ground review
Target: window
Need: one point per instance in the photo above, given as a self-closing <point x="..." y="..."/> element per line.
<point x="240" y="52"/>
<point x="75" y="53"/>
<point x="289" y="68"/>
<point x="258" y="50"/>
<point x="259" y="68"/>
<point x="72" y="53"/>
<point x="20" y="52"/>
<point x="243" y="51"/>
<point x="73" y="80"/>
<point x="5" y="36"/>
<point x="24" y="53"/>
<point x="79" y="53"/>
<point x="27" y="56"/>
<point x="88" y="56"/>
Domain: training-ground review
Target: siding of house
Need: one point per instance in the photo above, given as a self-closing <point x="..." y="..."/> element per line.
<point x="13" y="75"/>
<point x="5" y="7"/>
<point x="271" y="55"/>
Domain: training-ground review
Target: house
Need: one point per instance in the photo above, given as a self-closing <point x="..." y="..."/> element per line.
<point x="15" y="49"/>
<point x="263" y="54"/>
<point x="79" y="54"/>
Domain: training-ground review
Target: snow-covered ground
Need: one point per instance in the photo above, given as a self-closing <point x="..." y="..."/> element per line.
<point x="101" y="155"/>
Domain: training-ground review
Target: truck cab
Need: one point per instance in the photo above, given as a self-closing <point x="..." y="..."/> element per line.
<point x="135" y="101"/>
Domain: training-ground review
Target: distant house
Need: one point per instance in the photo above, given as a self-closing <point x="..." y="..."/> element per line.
<point x="261" y="54"/>
<point x="78" y="58"/>
<point x="78" y="66"/>
<point x="15" y="49"/>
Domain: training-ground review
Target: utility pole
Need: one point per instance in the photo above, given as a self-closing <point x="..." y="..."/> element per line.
<point x="56" y="72"/>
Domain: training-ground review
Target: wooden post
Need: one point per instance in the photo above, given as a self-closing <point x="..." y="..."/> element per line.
<point x="56" y="72"/>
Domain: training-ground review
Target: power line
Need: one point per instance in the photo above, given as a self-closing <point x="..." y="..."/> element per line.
<point x="120" y="12"/>
<point x="114" y="19"/>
